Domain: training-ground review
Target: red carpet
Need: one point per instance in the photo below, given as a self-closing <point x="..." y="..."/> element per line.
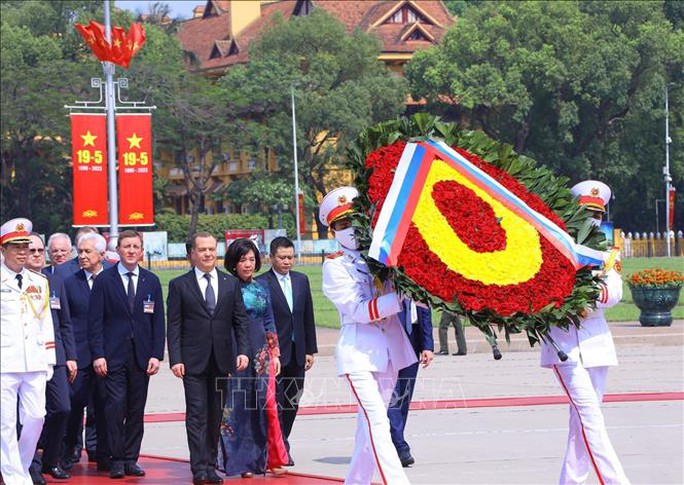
<point x="169" y="471"/>
<point x="491" y="402"/>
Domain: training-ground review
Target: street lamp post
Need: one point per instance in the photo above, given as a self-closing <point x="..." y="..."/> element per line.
<point x="110" y="103"/>
<point x="666" y="173"/>
<point x="296" y="175"/>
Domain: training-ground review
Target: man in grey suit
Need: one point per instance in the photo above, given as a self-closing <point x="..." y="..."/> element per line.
<point x="294" y="317"/>
<point x="206" y="316"/>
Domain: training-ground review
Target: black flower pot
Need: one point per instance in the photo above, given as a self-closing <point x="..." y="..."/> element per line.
<point x="655" y="304"/>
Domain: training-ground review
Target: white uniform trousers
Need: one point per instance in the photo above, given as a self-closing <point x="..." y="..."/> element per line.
<point x="15" y="456"/>
<point x="588" y="443"/>
<point x="373" y="442"/>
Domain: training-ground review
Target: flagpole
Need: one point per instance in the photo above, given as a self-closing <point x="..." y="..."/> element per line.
<point x="296" y="176"/>
<point x="110" y="107"/>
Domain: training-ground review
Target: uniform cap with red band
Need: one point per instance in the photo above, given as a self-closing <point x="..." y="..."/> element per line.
<point x="16" y="231"/>
<point x="337" y="204"/>
<point x="592" y="194"/>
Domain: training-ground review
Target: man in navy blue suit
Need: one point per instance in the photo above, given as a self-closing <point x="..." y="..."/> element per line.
<point x="65" y="269"/>
<point x="294" y="318"/>
<point x="127" y="338"/>
<point x="91" y="248"/>
<point x="418" y="324"/>
<point x="57" y="390"/>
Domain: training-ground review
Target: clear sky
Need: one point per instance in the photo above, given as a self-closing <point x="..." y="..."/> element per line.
<point x="179" y="8"/>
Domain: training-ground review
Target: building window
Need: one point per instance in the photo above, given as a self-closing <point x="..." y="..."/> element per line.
<point x="406" y="15"/>
<point x="251" y="164"/>
<point x="417" y="35"/>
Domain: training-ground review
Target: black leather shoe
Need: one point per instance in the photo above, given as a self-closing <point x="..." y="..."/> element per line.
<point x="459" y="353"/>
<point x="116" y="470"/>
<point x="443" y="352"/>
<point x="37" y="477"/>
<point x="70" y="461"/>
<point x="133" y="470"/>
<point x="103" y="466"/>
<point x="199" y="479"/>
<point x="212" y="477"/>
<point x="406" y="459"/>
<point x="290" y="462"/>
<point x="57" y="472"/>
<point x="92" y="457"/>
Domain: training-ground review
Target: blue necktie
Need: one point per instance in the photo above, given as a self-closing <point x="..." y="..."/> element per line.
<point x="407" y="317"/>
<point x="131" y="290"/>
<point x="210" y="296"/>
<point x="288" y="291"/>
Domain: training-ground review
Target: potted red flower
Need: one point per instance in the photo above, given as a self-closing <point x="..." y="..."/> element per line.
<point x="655" y="292"/>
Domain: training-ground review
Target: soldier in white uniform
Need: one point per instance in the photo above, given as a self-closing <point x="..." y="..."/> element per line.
<point x="582" y="376"/>
<point x="372" y="346"/>
<point x="27" y="353"/>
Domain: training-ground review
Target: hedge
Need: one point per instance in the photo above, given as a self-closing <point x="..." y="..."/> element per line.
<point x="177" y="225"/>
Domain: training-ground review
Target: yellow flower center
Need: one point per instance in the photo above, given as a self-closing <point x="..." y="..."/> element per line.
<point x="517" y="263"/>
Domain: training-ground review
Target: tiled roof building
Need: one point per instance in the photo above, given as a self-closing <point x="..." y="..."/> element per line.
<point x="219" y="35"/>
<point x="220" y="32"/>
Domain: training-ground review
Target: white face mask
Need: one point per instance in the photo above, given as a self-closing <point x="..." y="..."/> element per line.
<point x="595" y="222"/>
<point x="346" y="238"/>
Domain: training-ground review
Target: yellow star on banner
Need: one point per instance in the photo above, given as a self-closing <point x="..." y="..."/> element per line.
<point x="134" y="141"/>
<point x="88" y="139"/>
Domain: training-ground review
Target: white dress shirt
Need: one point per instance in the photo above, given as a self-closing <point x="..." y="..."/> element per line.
<point x="202" y="282"/>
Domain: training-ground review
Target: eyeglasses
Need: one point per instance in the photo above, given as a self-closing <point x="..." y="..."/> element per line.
<point x="36" y="250"/>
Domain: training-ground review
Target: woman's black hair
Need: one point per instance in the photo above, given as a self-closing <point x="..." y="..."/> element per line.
<point x="235" y="252"/>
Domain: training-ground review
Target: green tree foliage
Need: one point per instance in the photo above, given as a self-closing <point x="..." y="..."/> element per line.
<point x="38" y="76"/>
<point x="576" y="85"/>
<point x="340" y="88"/>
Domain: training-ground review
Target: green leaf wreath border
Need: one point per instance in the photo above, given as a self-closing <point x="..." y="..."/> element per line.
<point x="552" y="189"/>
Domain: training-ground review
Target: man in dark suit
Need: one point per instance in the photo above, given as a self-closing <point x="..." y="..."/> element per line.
<point x="417" y="322"/>
<point x="206" y="320"/>
<point x="57" y="390"/>
<point x="60" y="251"/>
<point x="294" y="317"/>
<point x="126" y="336"/>
<point x="65" y="270"/>
<point x="91" y="248"/>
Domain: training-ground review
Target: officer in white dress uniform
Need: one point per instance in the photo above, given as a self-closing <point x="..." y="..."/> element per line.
<point x="27" y="352"/>
<point x="372" y="346"/>
<point x="590" y="351"/>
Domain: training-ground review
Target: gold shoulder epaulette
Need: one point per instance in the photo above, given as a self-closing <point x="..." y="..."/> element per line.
<point x="37" y="272"/>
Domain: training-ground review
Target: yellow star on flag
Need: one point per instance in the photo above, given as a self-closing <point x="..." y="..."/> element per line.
<point x="88" y="139"/>
<point x="134" y="141"/>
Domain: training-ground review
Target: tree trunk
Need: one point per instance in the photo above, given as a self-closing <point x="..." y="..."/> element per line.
<point x="195" y="201"/>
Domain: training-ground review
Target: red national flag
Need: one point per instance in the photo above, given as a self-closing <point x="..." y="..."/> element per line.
<point x="118" y="46"/>
<point x="302" y="214"/>
<point x="672" y="197"/>
<point x="134" y="144"/>
<point x="123" y="46"/>
<point x="89" y="155"/>
<point x="94" y="35"/>
<point x="135" y="40"/>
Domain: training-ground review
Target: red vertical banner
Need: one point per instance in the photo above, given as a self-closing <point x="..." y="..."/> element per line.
<point x="671" y="195"/>
<point x="89" y="157"/>
<point x="134" y="146"/>
<point x="302" y="214"/>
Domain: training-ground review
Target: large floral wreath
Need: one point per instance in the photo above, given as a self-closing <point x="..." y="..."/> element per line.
<point x="531" y="290"/>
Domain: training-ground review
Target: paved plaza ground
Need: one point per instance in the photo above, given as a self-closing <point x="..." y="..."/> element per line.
<point x="482" y="421"/>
